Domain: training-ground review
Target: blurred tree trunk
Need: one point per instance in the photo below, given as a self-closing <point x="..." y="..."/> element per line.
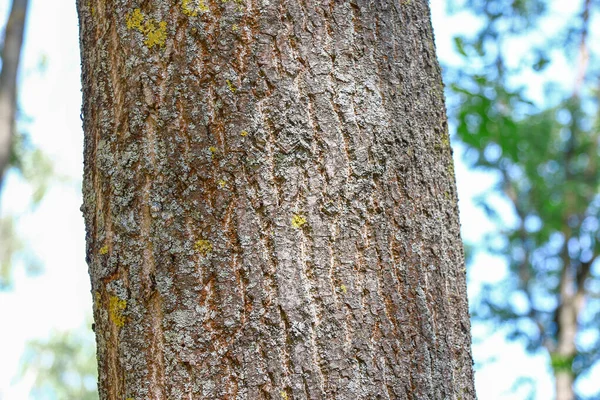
<point x="270" y="202"/>
<point x="11" y="54"/>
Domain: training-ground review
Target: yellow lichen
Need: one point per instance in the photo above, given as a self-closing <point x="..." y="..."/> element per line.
<point x="222" y="183"/>
<point x="244" y="133"/>
<point x="155" y="32"/>
<point x="92" y="8"/>
<point x="192" y="7"/>
<point x="230" y="86"/>
<point x="203" y="247"/>
<point x="155" y="35"/>
<point x="134" y="20"/>
<point x="344" y="289"/>
<point x="116" y="306"/>
<point x="284" y="395"/>
<point x="234" y="28"/>
<point x="103" y="250"/>
<point x="298" y="221"/>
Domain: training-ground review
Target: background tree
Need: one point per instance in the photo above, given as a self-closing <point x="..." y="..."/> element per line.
<point x="270" y="202"/>
<point x="11" y="54"/>
<point x="544" y="155"/>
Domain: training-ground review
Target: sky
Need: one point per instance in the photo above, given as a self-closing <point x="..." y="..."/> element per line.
<point x="51" y="102"/>
<point x="59" y="299"/>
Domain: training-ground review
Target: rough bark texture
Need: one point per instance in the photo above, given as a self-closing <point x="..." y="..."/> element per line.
<point x="11" y="55"/>
<point x="270" y="202"/>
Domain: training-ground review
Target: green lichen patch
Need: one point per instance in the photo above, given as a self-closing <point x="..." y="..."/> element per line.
<point x="103" y="250"/>
<point x="298" y="221"/>
<point x="203" y="246"/>
<point x="154" y="31"/>
<point x="116" y="306"/>
<point x="344" y="289"/>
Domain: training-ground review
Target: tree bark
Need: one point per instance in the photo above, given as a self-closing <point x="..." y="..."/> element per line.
<point x="11" y="55"/>
<point x="270" y="202"/>
<point x="571" y="292"/>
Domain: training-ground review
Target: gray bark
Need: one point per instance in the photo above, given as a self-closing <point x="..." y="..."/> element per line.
<point x="270" y="202"/>
<point x="572" y="301"/>
<point x="11" y="54"/>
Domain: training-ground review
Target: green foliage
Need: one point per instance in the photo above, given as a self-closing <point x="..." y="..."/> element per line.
<point x="9" y="245"/>
<point x="560" y="363"/>
<point x="36" y="169"/>
<point x="64" y="366"/>
<point x="33" y="165"/>
<point x="544" y="156"/>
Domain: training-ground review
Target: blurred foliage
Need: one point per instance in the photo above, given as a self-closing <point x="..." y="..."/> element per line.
<point x="35" y="168"/>
<point x="9" y="245"/>
<point x="62" y="367"/>
<point x="544" y="156"/>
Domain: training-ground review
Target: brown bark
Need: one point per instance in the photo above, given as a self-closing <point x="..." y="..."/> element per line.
<point x="11" y="55"/>
<point x="270" y="202"/>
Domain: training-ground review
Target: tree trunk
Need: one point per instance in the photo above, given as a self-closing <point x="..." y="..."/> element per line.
<point x="270" y="202"/>
<point x="11" y="55"/>
<point x="572" y="300"/>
